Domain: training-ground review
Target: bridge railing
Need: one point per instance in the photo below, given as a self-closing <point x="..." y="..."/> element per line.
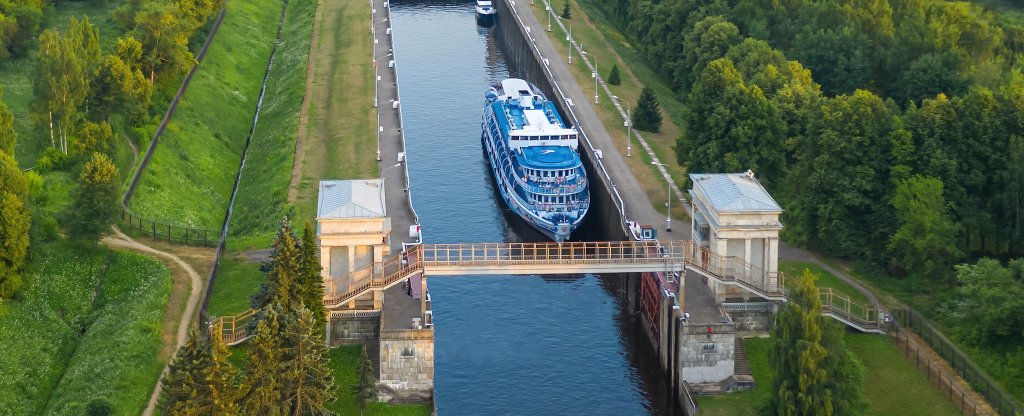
<point x="731" y="268"/>
<point x="559" y="253"/>
<point x="375" y="275"/>
<point x="843" y="306"/>
<point x="233" y="328"/>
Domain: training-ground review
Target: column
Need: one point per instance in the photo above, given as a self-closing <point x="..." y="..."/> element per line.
<point x="351" y="259"/>
<point x="325" y="268"/>
<point x="773" y="261"/>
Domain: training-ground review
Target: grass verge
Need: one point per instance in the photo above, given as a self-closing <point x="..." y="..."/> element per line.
<point x="191" y="174"/>
<point x="81" y="348"/>
<point x="237" y="280"/>
<point x="892" y="385"/>
<point x="341" y="139"/>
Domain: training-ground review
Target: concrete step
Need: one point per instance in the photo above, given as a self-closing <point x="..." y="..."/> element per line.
<point x="741" y="366"/>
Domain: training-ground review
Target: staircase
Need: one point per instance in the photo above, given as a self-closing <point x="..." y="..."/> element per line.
<point x="373" y="351"/>
<point x="741" y="366"/>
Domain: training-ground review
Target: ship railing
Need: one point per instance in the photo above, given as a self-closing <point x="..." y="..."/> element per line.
<point x="552" y="189"/>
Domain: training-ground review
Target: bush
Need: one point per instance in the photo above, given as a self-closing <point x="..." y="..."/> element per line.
<point x="51" y="160"/>
<point x="613" y="77"/>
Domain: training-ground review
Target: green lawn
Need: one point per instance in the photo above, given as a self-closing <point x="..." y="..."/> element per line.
<point x="263" y="190"/>
<point x="344" y="361"/>
<point x="191" y="174"/>
<point x="793" y="269"/>
<point x="237" y="280"/>
<point x="49" y="365"/>
<point x="892" y="385"/>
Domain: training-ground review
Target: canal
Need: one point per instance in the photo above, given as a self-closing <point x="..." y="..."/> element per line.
<point x="505" y="345"/>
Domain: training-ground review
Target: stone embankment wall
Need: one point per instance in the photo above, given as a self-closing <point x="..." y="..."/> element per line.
<point x="407" y="362"/>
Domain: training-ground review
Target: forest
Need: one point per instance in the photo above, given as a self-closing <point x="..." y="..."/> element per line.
<point x="891" y="131"/>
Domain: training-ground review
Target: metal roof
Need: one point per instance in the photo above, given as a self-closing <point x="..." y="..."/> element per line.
<point x="734" y="192"/>
<point x="359" y="198"/>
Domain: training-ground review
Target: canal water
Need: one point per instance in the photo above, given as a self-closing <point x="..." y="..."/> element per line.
<point x="505" y="345"/>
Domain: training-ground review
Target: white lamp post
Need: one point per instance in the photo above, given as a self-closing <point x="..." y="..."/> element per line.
<point x="668" y="186"/>
<point x="629" y="140"/>
<point x="592" y="74"/>
<point x="569" y="38"/>
<point x="550" y="12"/>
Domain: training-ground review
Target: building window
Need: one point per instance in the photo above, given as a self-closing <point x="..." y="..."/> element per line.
<point x="408" y="352"/>
<point x="708" y="347"/>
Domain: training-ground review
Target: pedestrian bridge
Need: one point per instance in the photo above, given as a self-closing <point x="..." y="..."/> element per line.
<point x="553" y="258"/>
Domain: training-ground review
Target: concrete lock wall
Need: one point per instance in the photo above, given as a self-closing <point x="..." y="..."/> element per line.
<point x="407" y="361"/>
<point x="755" y="321"/>
<point x="707" y="358"/>
<point x="349" y="328"/>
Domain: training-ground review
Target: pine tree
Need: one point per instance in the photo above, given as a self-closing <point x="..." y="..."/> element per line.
<point x="366" y="387"/>
<point x="220" y="378"/>
<point x="185" y="375"/>
<point x="307" y="381"/>
<point x="95" y="200"/>
<point x="14" y="226"/>
<point x="797" y="355"/>
<point x="566" y="11"/>
<point x="310" y="279"/>
<point x="613" y="77"/>
<point x="8" y="137"/>
<point x="647" y="114"/>
<point x="282" y="272"/>
<point x="262" y="384"/>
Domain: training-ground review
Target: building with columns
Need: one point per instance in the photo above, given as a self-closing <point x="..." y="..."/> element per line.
<point x="354" y="232"/>
<point x="736" y="218"/>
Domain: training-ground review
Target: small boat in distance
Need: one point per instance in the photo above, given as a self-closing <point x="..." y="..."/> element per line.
<point x="485" y="12"/>
<point x="533" y="157"/>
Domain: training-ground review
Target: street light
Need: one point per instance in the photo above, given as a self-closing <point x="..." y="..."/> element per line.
<point x="548" y="9"/>
<point x="593" y="74"/>
<point x="668" y="186"/>
<point x="569" y="38"/>
<point x="629" y="141"/>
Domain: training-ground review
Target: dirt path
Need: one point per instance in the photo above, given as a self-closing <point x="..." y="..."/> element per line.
<point x="179" y="269"/>
<point x="303" y="130"/>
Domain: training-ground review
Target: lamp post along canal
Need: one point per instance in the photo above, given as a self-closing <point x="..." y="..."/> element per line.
<point x="629" y="141"/>
<point x="593" y="74"/>
<point x="550" y="12"/>
<point x="569" y="38"/>
<point x="668" y="186"/>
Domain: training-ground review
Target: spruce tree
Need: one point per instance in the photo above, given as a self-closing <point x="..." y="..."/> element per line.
<point x="262" y="384"/>
<point x="311" y="288"/>
<point x="282" y="271"/>
<point x="647" y="114"/>
<point x="307" y="382"/>
<point x="220" y="379"/>
<point x="613" y="77"/>
<point x="185" y="375"/>
<point x="566" y="11"/>
<point x="95" y="203"/>
<point x="366" y="386"/>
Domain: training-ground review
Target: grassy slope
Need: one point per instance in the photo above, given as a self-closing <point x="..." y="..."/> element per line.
<point x="190" y="176"/>
<point x="344" y="361"/>
<point x="263" y="190"/>
<point x="237" y="281"/>
<point x="116" y="357"/>
<point x="602" y="41"/>
<point x="892" y="385"/>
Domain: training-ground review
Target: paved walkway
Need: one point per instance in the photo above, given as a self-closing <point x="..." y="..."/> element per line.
<point x="399" y="308"/>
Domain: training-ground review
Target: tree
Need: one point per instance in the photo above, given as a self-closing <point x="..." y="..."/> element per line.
<point x="815" y="374"/>
<point x="931" y="74"/>
<point x="95" y="138"/>
<point x="262" y="384"/>
<point x="12" y="179"/>
<point x="95" y="200"/>
<point x="990" y="301"/>
<point x="8" y="137"/>
<point x="282" y="273"/>
<point x="613" y="77"/>
<point x="60" y="87"/>
<point x="566" y="11"/>
<point x="220" y="379"/>
<point x="306" y="378"/>
<point x="164" y="41"/>
<point x="118" y="87"/>
<point x="925" y="243"/>
<point x="19" y="24"/>
<point x="99" y="407"/>
<point x="185" y="374"/>
<point x="732" y="126"/>
<point x="709" y="40"/>
<point x="311" y="288"/>
<point x="196" y="12"/>
<point x="647" y="113"/>
<point x="366" y="385"/>
<point x="14" y="227"/>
